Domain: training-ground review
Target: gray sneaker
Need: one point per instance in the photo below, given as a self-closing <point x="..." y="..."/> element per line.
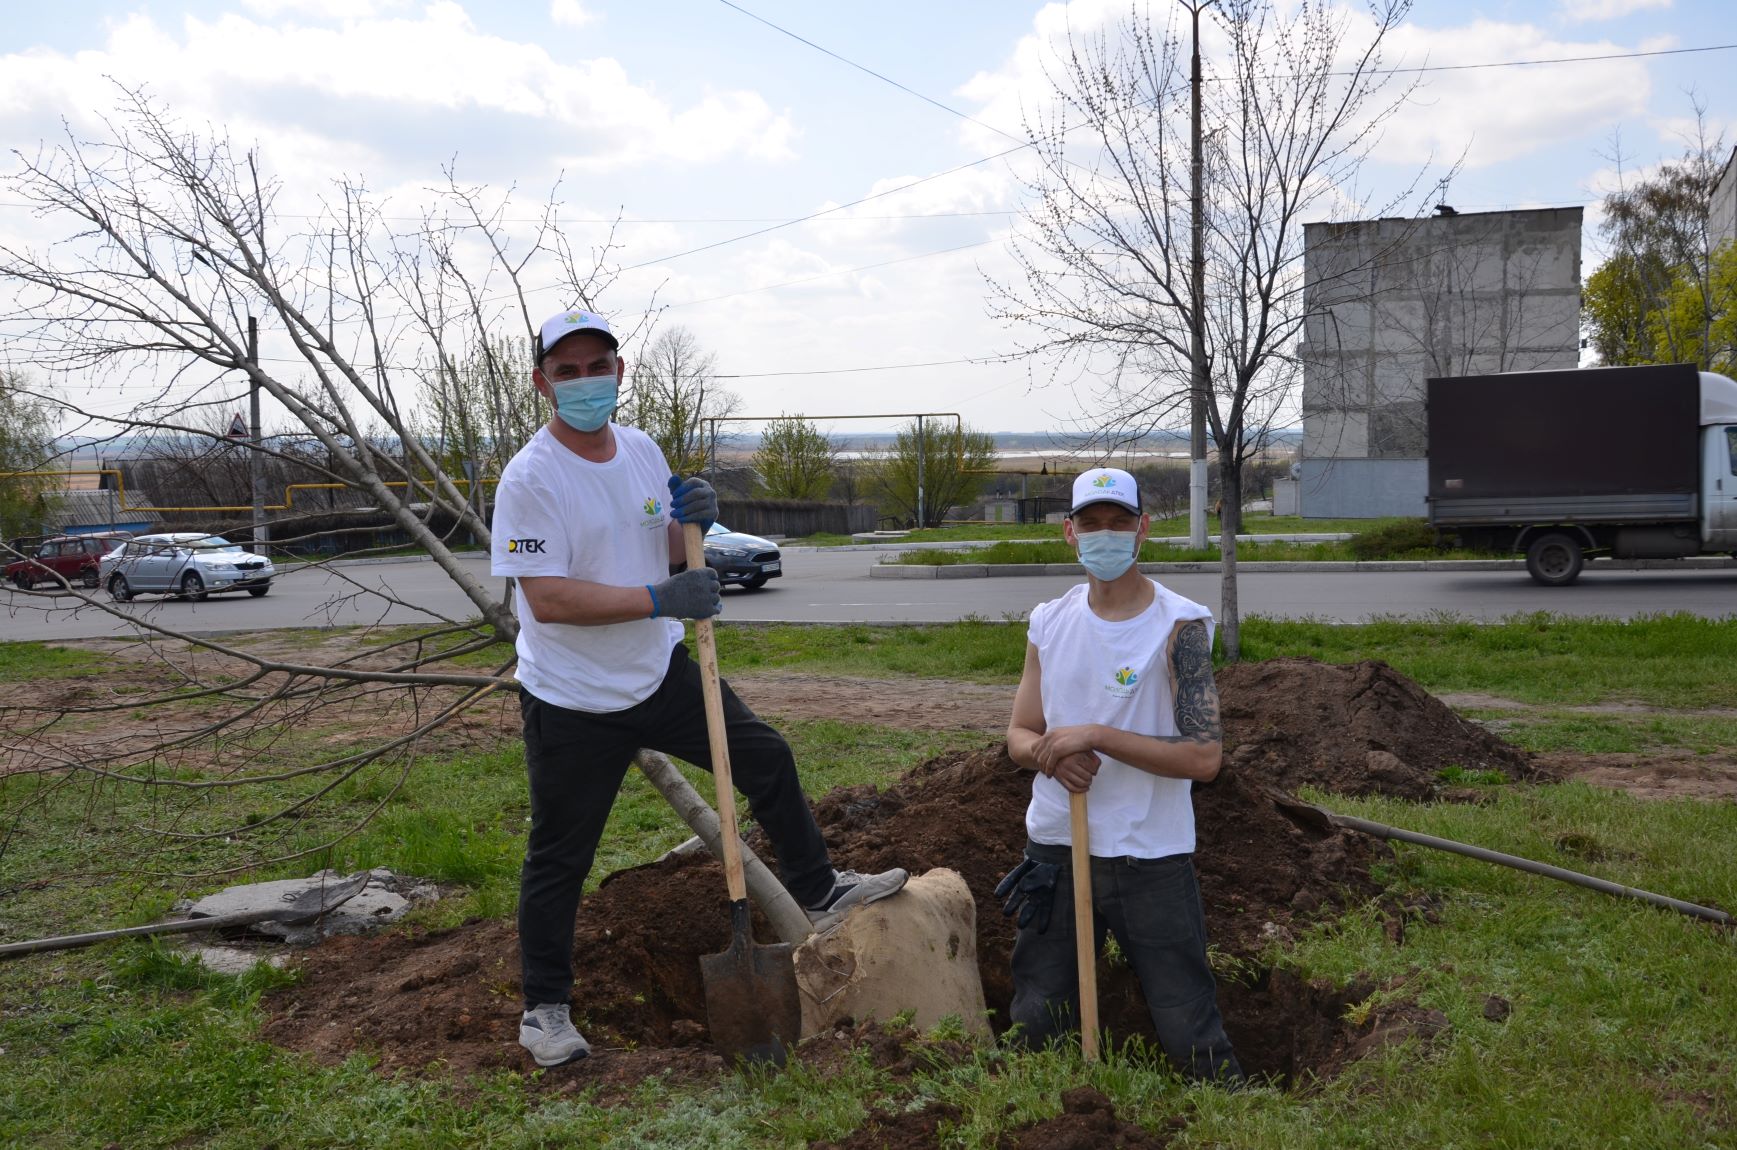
<point x="547" y="1032"/>
<point x="850" y="889"/>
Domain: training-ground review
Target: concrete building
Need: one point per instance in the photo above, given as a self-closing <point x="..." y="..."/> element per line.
<point x="1395" y="302"/>
<point x="1722" y="211"/>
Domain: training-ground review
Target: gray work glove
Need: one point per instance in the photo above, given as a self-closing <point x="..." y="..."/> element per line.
<point x="1029" y="889"/>
<point x="690" y="595"/>
<point x="693" y="501"/>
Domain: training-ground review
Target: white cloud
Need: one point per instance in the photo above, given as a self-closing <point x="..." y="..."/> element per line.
<point x="1588" y="10"/>
<point x="410" y="89"/>
<point x="329" y="10"/>
<point x="571" y="13"/>
<point x="1499" y="114"/>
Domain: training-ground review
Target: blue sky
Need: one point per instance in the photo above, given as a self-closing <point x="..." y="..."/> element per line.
<point x="692" y="111"/>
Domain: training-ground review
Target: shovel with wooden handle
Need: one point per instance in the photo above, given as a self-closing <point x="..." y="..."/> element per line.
<point x="752" y="1005"/>
<point x="304" y="907"/>
<point x="1085" y="952"/>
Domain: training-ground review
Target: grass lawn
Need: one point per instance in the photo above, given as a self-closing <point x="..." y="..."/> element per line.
<point x="1279" y="551"/>
<point x="1621" y="1015"/>
<point x="1252" y="524"/>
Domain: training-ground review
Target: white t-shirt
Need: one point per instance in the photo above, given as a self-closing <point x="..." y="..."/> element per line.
<point x="559" y="514"/>
<point x="1118" y="674"/>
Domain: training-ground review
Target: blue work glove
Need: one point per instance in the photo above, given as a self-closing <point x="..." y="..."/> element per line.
<point x="693" y="501"/>
<point x="690" y="595"/>
<point x="1029" y="889"/>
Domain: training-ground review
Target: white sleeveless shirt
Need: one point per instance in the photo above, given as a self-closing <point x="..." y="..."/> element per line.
<point x="1119" y="674"/>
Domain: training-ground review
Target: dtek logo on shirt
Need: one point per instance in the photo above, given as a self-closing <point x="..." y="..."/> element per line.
<point x="653" y="512"/>
<point x="525" y="547"/>
<point x="1122" y="682"/>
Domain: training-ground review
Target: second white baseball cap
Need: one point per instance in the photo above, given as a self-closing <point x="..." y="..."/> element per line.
<point x="1105" y="485"/>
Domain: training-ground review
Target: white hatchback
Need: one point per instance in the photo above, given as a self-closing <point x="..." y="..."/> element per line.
<point x="185" y="563"/>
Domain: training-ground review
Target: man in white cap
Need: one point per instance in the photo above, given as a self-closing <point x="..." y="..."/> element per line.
<point x="588" y="522"/>
<point x="1117" y="702"/>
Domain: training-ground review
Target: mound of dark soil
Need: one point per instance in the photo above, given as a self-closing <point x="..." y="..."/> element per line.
<point x="1353" y="729"/>
<point x="416" y="999"/>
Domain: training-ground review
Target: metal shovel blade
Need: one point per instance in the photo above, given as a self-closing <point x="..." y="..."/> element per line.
<point x="752" y="1005"/>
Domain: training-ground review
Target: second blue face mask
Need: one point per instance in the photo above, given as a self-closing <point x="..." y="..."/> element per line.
<point x="1107" y="554"/>
<point x="585" y="404"/>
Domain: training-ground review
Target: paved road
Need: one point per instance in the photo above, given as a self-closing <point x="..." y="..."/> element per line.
<point x="823" y="587"/>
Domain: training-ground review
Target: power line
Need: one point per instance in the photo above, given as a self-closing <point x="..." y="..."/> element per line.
<point x="869" y="71"/>
<point x="1552" y="60"/>
<point x="822" y="212"/>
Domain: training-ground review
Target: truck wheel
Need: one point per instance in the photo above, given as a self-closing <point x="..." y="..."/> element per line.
<point x="1555" y="560"/>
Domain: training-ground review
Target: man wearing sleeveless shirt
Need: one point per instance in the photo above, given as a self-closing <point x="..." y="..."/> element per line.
<point x="1117" y="701"/>
<point x="588" y="523"/>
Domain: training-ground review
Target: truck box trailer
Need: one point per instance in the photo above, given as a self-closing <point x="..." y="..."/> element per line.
<point x="1631" y="462"/>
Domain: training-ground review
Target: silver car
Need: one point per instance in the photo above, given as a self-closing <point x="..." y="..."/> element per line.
<point x="190" y="564"/>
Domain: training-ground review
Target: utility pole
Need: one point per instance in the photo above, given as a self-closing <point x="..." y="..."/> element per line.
<point x="256" y="458"/>
<point x="1197" y="308"/>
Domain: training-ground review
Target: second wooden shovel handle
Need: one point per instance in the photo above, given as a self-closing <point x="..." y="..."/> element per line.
<point x="1085" y="950"/>
<point x="714" y="693"/>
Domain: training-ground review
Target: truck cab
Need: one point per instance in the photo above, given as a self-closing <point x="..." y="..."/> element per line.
<point x="1719" y="478"/>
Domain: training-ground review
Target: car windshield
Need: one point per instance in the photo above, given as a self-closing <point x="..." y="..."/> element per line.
<point x="212" y="543"/>
<point x="717" y="529"/>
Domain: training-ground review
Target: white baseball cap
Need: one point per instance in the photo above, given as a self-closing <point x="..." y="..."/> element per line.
<point x="558" y="327"/>
<point x="1106" y="485"/>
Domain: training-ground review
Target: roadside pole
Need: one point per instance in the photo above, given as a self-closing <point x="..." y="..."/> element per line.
<point x="256" y="458"/>
<point x="1197" y="389"/>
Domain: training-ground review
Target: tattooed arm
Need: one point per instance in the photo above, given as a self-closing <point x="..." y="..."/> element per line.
<point x="1194" y="752"/>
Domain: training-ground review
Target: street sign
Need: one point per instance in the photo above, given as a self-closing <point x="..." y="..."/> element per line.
<point x="238" y="428"/>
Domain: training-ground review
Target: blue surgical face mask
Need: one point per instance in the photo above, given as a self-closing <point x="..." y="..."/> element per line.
<point x="585" y="404"/>
<point x="1107" y="554"/>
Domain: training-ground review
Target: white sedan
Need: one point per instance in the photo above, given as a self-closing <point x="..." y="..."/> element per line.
<point x="185" y="563"/>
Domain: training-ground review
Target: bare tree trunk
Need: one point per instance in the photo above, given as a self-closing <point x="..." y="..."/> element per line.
<point x="1229" y="524"/>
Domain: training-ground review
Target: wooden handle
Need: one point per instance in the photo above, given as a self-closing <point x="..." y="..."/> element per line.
<point x="714" y="692"/>
<point x="1085" y="953"/>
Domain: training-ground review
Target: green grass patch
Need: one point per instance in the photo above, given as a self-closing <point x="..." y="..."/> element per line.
<point x="1616" y="733"/>
<point x="1390" y="546"/>
<point x="1671" y="661"/>
<point x="976" y="650"/>
<point x="22" y="661"/>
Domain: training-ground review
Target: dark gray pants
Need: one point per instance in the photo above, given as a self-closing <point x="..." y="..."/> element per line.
<point x="576" y="761"/>
<point x="1153" y="908"/>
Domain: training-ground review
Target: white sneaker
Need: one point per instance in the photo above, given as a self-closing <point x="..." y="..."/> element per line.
<point x="547" y="1032"/>
<point x="850" y="889"/>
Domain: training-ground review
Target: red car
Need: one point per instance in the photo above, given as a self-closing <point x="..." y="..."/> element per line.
<point x="73" y="558"/>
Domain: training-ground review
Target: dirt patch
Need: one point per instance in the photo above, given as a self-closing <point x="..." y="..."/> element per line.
<point x="1681" y="775"/>
<point x="915" y="704"/>
<point x="898" y="1130"/>
<point x="450" y="999"/>
<point x="1473" y="700"/>
<point x="1355" y="729"/>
